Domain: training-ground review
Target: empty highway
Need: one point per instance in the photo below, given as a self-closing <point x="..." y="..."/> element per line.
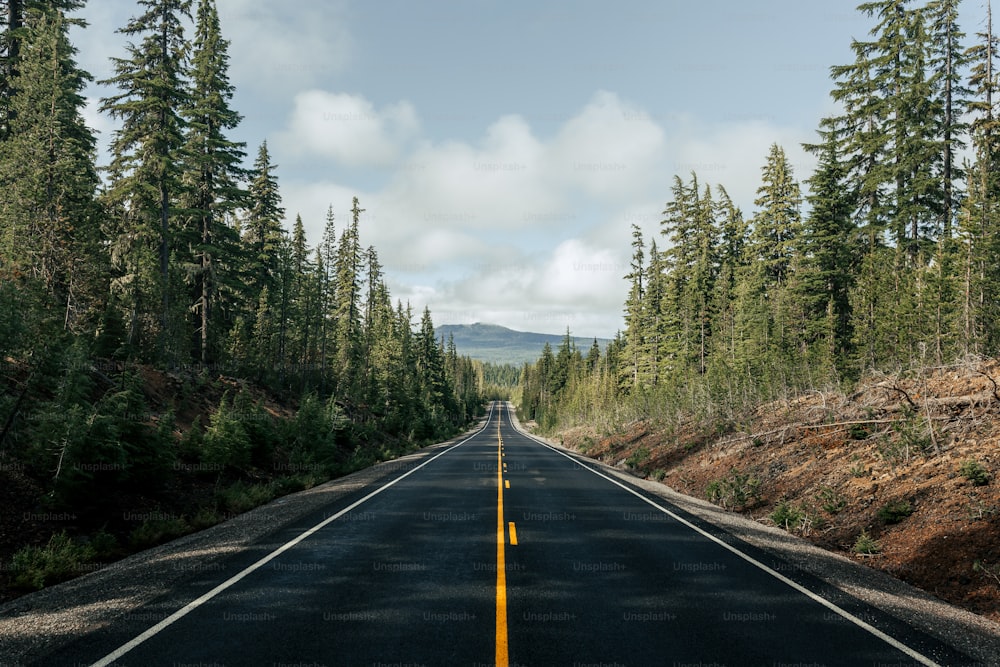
<point x="503" y="551"/>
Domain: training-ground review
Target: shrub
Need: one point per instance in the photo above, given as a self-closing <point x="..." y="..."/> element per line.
<point x="61" y="559"/>
<point x="915" y="433"/>
<point x="226" y="443"/>
<point x="787" y="516"/>
<point x="158" y="531"/>
<point x="895" y="511"/>
<point x="737" y="490"/>
<point x="830" y="500"/>
<point x="638" y="457"/>
<point x="104" y="545"/>
<point x="240" y="497"/>
<point x="975" y="472"/>
<point x="204" y="518"/>
<point x="866" y="544"/>
<point x="858" y="432"/>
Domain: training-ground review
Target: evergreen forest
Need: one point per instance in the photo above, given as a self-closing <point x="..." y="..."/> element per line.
<point x="886" y="258"/>
<point x="169" y="340"/>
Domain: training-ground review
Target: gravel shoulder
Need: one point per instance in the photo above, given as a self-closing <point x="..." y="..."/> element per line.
<point x="36" y="624"/>
<point x="975" y="635"/>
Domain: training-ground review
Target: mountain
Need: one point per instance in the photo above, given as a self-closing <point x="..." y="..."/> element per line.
<point x="500" y="345"/>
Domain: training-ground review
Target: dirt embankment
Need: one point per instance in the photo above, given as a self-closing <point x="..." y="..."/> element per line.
<point x="901" y="475"/>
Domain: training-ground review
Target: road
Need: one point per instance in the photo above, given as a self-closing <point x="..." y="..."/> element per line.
<point x="504" y="551"/>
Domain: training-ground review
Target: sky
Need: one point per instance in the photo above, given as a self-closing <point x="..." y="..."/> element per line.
<point x="502" y="151"/>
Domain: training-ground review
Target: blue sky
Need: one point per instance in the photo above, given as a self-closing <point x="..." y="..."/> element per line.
<point x="502" y="150"/>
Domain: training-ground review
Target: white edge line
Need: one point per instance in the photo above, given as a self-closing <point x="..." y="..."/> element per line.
<point x="919" y="657"/>
<point x="194" y="604"/>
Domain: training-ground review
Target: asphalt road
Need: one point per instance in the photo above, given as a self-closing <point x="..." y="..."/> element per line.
<point x="501" y="550"/>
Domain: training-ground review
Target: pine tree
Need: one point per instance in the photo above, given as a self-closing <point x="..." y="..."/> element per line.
<point x="145" y="169"/>
<point x="654" y="323"/>
<point x="434" y="390"/>
<point x="948" y="61"/>
<point x="12" y="33"/>
<point x="593" y="356"/>
<point x="829" y="251"/>
<point x="212" y="175"/>
<point x="777" y="224"/>
<point x="262" y="228"/>
<point x="978" y="222"/>
<point x="733" y="239"/>
<point x="304" y="302"/>
<point x="326" y="264"/>
<point x="634" y="320"/>
<point x="347" y="307"/>
<point x="50" y="226"/>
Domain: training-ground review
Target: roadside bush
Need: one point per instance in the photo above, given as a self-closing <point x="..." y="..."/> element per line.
<point x="225" y="441"/>
<point x="738" y="490"/>
<point x="258" y="425"/>
<point x="787" y="516"/>
<point x="895" y="511"/>
<point x="205" y="518"/>
<point x="638" y="457"/>
<point x="866" y="544"/>
<point x="61" y="559"/>
<point x="240" y="497"/>
<point x="158" y="531"/>
<point x="830" y="500"/>
<point x="104" y="545"/>
<point x="975" y="472"/>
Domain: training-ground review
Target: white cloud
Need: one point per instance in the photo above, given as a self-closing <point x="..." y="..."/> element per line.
<point x="499" y="181"/>
<point x="348" y="128"/>
<point x="526" y="231"/>
<point x="611" y="149"/>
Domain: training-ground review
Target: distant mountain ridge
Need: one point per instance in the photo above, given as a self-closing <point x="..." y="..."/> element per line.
<point x="500" y="345"/>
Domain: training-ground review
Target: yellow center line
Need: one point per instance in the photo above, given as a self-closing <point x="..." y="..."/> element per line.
<point x="502" y="659"/>
<point x="513" y="534"/>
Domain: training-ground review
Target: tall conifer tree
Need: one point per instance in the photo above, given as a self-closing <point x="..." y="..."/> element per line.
<point x="50" y="226"/>
<point x="213" y="174"/>
<point x="145" y="169"/>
